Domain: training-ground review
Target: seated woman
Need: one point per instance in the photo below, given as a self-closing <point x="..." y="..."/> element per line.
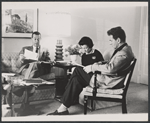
<point x="89" y="55"/>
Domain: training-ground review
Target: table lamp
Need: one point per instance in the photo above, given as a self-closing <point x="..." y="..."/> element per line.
<point x="59" y="26"/>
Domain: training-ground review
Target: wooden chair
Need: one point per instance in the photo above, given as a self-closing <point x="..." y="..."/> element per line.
<point x="113" y="95"/>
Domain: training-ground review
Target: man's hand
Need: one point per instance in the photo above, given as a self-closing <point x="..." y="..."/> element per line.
<point x="21" y="57"/>
<point x="88" y="69"/>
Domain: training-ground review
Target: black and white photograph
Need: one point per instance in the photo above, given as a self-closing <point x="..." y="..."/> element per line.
<point x="74" y="61"/>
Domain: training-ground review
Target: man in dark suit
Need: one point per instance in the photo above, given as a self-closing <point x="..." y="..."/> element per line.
<point x="30" y="68"/>
<point x="38" y="66"/>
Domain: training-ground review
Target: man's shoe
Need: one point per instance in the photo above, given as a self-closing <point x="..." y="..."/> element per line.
<point x="59" y="113"/>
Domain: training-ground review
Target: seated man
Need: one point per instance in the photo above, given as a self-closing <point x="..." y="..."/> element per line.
<point x="39" y="68"/>
<point x="30" y="68"/>
<point x="80" y="78"/>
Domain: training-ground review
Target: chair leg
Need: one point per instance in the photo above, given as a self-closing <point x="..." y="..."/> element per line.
<point x="85" y="104"/>
<point x="9" y="101"/>
<point x="124" y="107"/>
<point x="92" y="109"/>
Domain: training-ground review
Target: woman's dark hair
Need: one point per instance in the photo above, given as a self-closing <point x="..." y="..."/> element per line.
<point x="36" y="33"/>
<point x="86" y="41"/>
<point x="117" y="32"/>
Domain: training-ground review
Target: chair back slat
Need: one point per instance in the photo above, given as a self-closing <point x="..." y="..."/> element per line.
<point x="126" y="78"/>
<point x="128" y="71"/>
<point x="129" y="75"/>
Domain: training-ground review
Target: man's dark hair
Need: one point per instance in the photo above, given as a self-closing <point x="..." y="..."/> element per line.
<point x="86" y="41"/>
<point x="36" y="33"/>
<point x="117" y="32"/>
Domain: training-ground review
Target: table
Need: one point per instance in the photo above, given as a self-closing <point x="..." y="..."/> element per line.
<point x="8" y="87"/>
<point x="62" y="81"/>
<point x="15" y="81"/>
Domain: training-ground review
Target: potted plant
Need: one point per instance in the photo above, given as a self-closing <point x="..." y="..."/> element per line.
<point x="73" y="51"/>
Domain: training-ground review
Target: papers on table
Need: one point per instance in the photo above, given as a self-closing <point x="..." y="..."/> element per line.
<point x="36" y="84"/>
<point x="30" y="55"/>
<point x="36" y="81"/>
<point x="45" y="82"/>
<point x="8" y="74"/>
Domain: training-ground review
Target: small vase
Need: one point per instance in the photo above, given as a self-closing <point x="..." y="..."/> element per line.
<point x="73" y="58"/>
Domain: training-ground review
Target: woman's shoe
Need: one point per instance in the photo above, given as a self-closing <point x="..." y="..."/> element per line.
<point x="59" y="113"/>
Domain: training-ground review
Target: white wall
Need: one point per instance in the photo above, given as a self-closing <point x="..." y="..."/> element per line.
<point x="14" y="44"/>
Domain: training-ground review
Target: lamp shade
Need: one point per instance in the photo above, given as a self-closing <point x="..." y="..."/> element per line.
<point x="59" y="24"/>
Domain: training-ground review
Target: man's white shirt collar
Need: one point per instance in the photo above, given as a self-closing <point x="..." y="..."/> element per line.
<point x="34" y="48"/>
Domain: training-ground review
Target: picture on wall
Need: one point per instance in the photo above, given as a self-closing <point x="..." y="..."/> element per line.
<point x="19" y="22"/>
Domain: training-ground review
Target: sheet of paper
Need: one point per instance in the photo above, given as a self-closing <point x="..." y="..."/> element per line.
<point x="24" y="82"/>
<point x="47" y="83"/>
<point x="30" y="55"/>
<point x="8" y="74"/>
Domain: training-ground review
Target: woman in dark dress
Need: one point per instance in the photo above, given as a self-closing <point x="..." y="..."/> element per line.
<point x="89" y="55"/>
<point x="79" y="78"/>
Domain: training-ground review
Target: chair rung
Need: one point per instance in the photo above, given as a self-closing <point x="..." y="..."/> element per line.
<point x="104" y="95"/>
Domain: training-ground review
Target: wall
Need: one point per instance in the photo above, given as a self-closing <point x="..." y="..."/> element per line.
<point x="14" y="44"/>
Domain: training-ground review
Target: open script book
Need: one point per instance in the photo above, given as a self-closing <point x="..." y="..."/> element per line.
<point x="68" y="63"/>
<point x="74" y="63"/>
<point x="30" y="55"/>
